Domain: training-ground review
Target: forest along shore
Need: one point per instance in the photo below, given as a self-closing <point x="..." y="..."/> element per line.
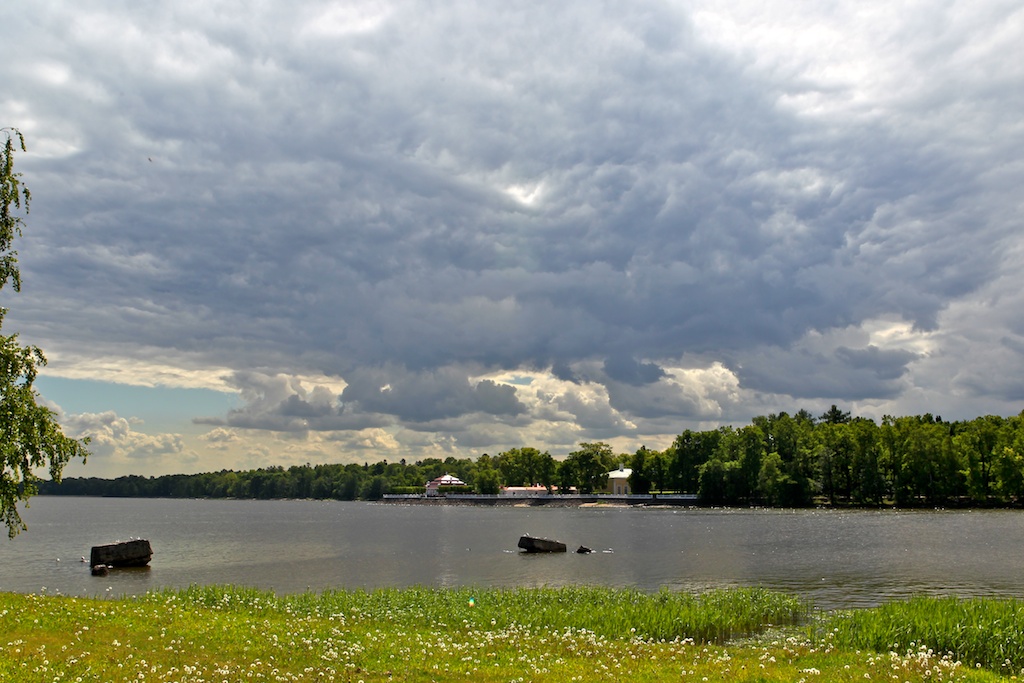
<point x="778" y="461"/>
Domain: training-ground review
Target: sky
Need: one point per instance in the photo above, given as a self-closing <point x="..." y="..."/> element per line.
<point x="275" y="233"/>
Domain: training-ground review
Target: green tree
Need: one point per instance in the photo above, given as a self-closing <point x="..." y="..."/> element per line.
<point x="979" y="449"/>
<point x="1011" y="474"/>
<point x="640" y="478"/>
<point x="792" y="438"/>
<point x="742" y="450"/>
<point x="835" y="416"/>
<point x="835" y="458"/>
<point x="30" y="437"/>
<point x="589" y="466"/>
<point x="751" y="453"/>
<point x="487" y="481"/>
<point x="657" y="469"/>
<point x="376" y="488"/>
<point x="1011" y="461"/>
<point x="685" y="456"/>
<point x="720" y="482"/>
<point x="773" y="484"/>
<point x="869" y="484"/>
<point x="923" y="460"/>
<point x="526" y="466"/>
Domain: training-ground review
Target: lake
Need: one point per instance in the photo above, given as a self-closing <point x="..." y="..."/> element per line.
<point x="835" y="558"/>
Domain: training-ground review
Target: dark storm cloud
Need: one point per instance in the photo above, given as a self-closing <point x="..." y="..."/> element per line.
<point x="631" y="371"/>
<point x="846" y="374"/>
<point x="426" y="396"/>
<point x="284" y="404"/>
<point x="406" y="197"/>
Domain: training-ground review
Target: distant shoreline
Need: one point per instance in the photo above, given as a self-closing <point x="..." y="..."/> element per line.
<point x="554" y="500"/>
<point x="666" y="501"/>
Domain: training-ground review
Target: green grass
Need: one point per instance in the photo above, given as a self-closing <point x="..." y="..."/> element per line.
<point x="715" y="616"/>
<point x="984" y="632"/>
<point x="214" y="634"/>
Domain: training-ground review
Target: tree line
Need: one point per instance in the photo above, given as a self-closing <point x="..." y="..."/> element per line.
<point x="777" y="460"/>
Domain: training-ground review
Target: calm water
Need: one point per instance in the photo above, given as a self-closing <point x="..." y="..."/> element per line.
<point x="835" y="558"/>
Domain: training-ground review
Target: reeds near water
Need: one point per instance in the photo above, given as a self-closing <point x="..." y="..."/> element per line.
<point x="974" y="631"/>
<point x="713" y="617"/>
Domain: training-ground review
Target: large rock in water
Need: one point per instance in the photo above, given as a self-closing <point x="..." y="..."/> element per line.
<point x="125" y="554"/>
<point x="531" y="544"/>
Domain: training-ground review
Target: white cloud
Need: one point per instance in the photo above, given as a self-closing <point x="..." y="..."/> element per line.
<point x="220" y="438"/>
<point x="116" y="445"/>
<point x="343" y="20"/>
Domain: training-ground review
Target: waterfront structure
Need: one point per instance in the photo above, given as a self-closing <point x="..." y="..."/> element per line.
<point x="618" y="481"/>
<point x="434" y="485"/>
<point x="524" y="491"/>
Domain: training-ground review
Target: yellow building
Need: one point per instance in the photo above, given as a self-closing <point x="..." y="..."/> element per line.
<point x="618" y="481"/>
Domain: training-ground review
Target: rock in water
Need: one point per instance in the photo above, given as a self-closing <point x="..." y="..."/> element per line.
<point x="532" y="544"/>
<point x="136" y="553"/>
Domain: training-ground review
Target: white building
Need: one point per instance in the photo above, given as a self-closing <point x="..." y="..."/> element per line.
<point x="444" y="480"/>
<point x="618" y="481"/>
<point x="524" y="491"/>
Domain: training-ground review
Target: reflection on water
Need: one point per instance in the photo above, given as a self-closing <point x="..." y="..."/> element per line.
<point x="848" y="558"/>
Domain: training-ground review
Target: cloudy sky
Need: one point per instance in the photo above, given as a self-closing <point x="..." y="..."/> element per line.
<point x="285" y="232"/>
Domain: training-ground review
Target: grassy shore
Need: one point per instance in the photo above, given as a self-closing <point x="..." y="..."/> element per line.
<point x="214" y="634"/>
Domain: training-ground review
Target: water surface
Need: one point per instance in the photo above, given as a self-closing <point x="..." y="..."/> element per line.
<point x="836" y="558"/>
